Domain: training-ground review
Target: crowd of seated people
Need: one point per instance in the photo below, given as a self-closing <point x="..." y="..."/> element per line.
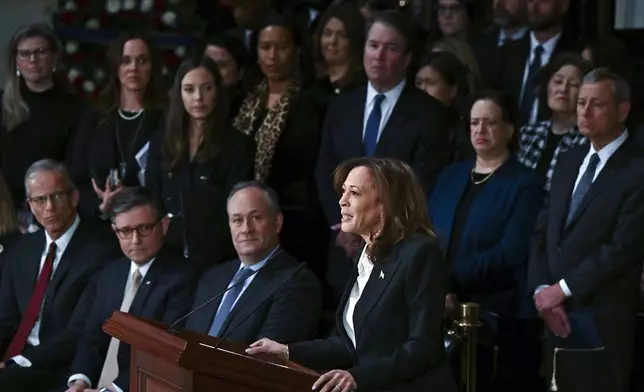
<point x="410" y="171"/>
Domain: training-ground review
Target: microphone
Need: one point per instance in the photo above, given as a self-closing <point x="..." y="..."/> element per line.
<point x="227" y="334"/>
<point x="190" y="313"/>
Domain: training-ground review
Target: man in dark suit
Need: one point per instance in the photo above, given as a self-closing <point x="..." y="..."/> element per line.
<point x="386" y="118"/>
<point x="520" y="61"/>
<point x="44" y="275"/>
<point x="587" y="247"/>
<point x="265" y="297"/>
<point x="148" y="282"/>
<point x="510" y="24"/>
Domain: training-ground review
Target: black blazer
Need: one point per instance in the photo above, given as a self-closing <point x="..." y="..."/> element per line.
<point x="165" y="294"/>
<point x="415" y="133"/>
<point x="289" y="314"/>
<point x="195" y="194"/>
<point x="512" y="60"/>
<point x="90" y="248"/>
<point x="599" y="254"/>
<point x="398" y="322"/>
<point x="94" y="151"/>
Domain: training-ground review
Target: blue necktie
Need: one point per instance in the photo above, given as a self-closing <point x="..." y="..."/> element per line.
<point x="529" y="88"/>
<point x="583" y="186"/>
<point x="229" y="300"/>
<point x="373" y="126"/>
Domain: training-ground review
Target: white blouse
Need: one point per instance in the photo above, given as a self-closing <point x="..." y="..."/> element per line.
<point x="365" y="266"/>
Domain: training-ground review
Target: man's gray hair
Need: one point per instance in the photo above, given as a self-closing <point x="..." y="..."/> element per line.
<point x="269" y="194"/>
<point x="48" y="166"/>
<point x="621" y="89"/>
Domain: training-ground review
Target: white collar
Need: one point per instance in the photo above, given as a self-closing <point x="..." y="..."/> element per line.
<point x="390" y="96"/>
<point x="143" y="269"/>
<point x="63" y="240"/>
<point x="548" y="46"/>
<point x="608" y="150"/>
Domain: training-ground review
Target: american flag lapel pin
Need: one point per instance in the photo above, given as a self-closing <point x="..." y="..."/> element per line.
<point x="382" y="275"/>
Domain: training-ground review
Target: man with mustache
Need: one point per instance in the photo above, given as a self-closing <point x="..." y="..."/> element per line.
<point x="264" y="298"/>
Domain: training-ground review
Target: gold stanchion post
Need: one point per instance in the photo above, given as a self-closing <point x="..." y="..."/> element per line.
<point x="467" y="326"/>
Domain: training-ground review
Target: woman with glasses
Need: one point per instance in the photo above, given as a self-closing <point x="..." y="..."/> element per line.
<point x="38" y="113"/>
<point x="195" y="162"/>
<point x="110" y="149"/>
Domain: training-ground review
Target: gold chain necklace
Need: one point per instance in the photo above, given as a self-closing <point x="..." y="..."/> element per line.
<point x="480" y="181"/>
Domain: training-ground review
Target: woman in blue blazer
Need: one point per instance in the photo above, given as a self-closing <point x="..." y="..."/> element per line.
<point x="484" y="210"/>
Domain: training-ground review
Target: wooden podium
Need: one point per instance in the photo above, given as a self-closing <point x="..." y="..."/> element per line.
<point x="186" y="361"/>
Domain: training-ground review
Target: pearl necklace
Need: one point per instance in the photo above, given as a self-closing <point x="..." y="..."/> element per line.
<point x="130" y="117"/>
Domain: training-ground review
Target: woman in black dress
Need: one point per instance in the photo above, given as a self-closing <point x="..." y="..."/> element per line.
<point x="109" y="150"/>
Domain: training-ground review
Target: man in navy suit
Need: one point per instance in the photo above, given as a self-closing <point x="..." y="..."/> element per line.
<point x="43" y="275"/>
<point x="148" y="282"/>
<point x="387" y="118"/>
<point x="267" y="297"/>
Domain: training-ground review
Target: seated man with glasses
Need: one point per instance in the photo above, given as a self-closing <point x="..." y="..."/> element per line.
<point x="44" y="275"/>
<point x="148" y="282"/>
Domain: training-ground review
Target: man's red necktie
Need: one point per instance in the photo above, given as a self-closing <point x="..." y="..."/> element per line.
<point x="34" y="307"/>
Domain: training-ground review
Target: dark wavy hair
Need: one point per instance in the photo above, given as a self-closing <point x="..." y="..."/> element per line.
<point x="509" y="112"/>
<point x="452" y="70"/>
<point x="404" y="204"/>
<point x="176" y="140"/>
<point x="546" y="73"/>
<point x="154" y="97"/>
<point x="353" y="21"/>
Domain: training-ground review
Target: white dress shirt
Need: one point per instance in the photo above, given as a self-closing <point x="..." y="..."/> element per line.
<point x="143" y="270"/>
<point x="514" y="37"/>
<point x="365" y="267"/>
<point x="61" y="245"/>
<point x="604" y="155"/>
<point x="387" y="105"/>
<point x="548" y="48"/>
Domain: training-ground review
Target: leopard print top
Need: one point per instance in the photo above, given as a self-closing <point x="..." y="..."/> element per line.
<point x="271" y="127"/>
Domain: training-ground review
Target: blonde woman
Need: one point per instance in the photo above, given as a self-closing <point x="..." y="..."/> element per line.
<point x="38" y="113"/>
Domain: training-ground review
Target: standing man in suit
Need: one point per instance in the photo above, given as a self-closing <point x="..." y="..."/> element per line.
<point x="521" y="60"/>
<point x="386" y="118"/>
<point x="587" y="250"/>
<point x="268" y="299"/>
<point x="44" y="275"/>
<point x="510" y="24"/>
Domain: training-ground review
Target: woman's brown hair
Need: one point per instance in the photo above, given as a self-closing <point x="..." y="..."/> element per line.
<point x="177" y="127"/>
<point x="403" y="200"/>
<point x="155" y="95"/>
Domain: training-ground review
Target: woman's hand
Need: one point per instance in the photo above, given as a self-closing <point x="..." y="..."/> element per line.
<point x="106" y="195"/>
<point x="267" y="346"/>
<point x="335" y="381"/>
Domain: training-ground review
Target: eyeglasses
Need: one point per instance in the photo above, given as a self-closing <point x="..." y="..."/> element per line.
<point x="39" y="53"/>
<point x="56" y="198"/>
<point x="143" y="230"/>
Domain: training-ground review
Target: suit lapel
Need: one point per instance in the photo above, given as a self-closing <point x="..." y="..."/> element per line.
<point x="397" y="119"/>
<point x="70" y="257"/>
<point x="339" y="315"/>
<point x="379" y="280"/>
<point x="610" y="170"/>
<point x="563" y="182"/>
<point x="207" y="314"/>
<point x="147" y="284"/>
<point x="457" y="189"/>
<point x="355" y="121"/>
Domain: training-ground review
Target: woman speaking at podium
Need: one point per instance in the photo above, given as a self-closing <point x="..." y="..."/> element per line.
<point x="388" y="333"/>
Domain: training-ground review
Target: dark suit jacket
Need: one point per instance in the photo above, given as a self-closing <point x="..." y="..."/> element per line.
<point x="599" y="254"/>
<point x="415" y="133"/>
<point x="486" y="50"/>
<point x="491" y="262"/>
<point x="398" y="323"/>
<point x="512" y="60"/>
<point x="94" y="151"/>
<point x="195" y="193"/>
<point x="288" y="314"/>
<point x="90" y="248"/>
<point x="165" y="294"/>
